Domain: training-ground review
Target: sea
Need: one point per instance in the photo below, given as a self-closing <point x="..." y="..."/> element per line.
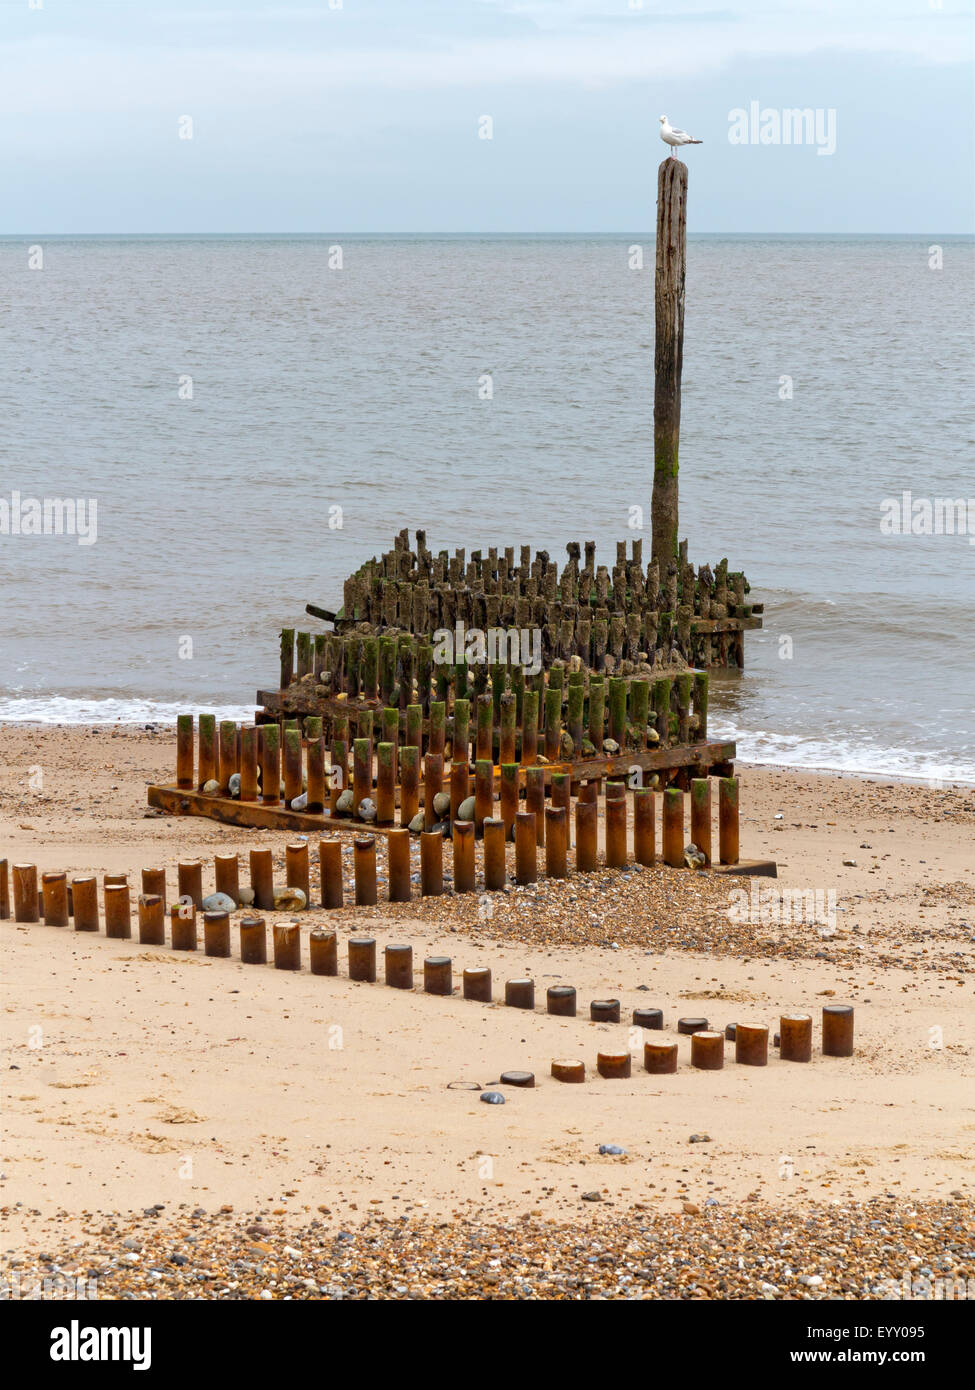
<point x="251" y="417"/>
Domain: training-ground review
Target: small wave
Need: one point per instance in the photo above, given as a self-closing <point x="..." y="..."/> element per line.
<point x="818" y="755"/>
<point x="60" y="709"/>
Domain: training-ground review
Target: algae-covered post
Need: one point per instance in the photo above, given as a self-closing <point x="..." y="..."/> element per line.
<point x="668" y="354"/>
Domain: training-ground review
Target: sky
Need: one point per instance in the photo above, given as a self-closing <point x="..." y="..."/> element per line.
<point x="348" y="116"/>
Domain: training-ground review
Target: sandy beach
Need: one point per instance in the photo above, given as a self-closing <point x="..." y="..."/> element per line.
<point x="144" y="1086"/>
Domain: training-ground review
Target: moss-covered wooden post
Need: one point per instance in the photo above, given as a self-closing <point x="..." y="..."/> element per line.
<point x="639" y="710"/>
<point x="483" y="792"/>
<point x="701" y="704"/>
<point x="462" y="731"/>
<point x="409" y="786"/>
<point x="438" y="723"/>
<point x="287" y="656"/>
<point x="529" y="728"/>
<point x="424" y="674"/>
<point x="617" y="709"/>
<point x="685" y="687"/>
<point x="361" y="772"/>
<point x="206" y="765"/>
<point x="668" y="353"/>
<point x="485" y="728"/>
<point x="509" y="796"/>
<point x="292" y="764"/>
<point x="387" y="668"/>
<point x="370" y="667"/>
<point x="338" y="779"/>
<point x="389" y="733"/>
<point x="270" y="764"/>
<point x="661" y="708"/>
<point x="227" y="759"/>
<point x="577" y="696"/>
<point x="508" y="712"/>
<point x="414" y="725"/>
<point x="407" y="665"/>
<point x="184" y="750"/>
<point x="597" y="698"/>
<point x="305" y="649"/>
<point x="385" y="784"/>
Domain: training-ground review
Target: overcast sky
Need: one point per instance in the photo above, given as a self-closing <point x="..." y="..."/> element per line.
<point x="366" y="117"/>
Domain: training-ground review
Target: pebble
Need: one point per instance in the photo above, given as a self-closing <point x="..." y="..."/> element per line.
<point x="492" y="1097"/>
<point x="212" y="787"/>
<point x="611" y="1149"/>
<point x="741" y="1251"/>
<point x="367" y="809"/>
<point x="290" y="899"/>
<point x="233" y="785"/>
<point x="219" y="902"/>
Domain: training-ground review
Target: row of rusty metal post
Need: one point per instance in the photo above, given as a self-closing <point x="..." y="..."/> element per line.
<point x="538" y="825"/>
<point x="400" y="767"/>
<point x="57" y="901"/>
<point x="276" y="761"/>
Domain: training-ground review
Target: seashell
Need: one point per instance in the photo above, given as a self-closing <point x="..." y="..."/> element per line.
<point x="219" y="902"/>
<point x="233" y="785"/>
<point x="417" y="823"/>
<point x="210" y="788"/>
<point x="290" y="899"/>
<point x="441" y="803"/>
<point x="465" y="811"/>
<point x="246" y="896"/>
<point x="367" y="809"/>
<point x="344" y="803"/>
<point x="693" y="857"/>
<point x="300" y="802"/>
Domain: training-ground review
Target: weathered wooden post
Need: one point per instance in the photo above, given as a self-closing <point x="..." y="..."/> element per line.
<point x="668" y="354"/>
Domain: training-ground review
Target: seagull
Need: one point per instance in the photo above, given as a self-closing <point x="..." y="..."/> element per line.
<point x="670" y="136"/>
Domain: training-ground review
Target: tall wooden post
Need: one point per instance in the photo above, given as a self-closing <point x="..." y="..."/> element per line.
<point x="668" y="354"/>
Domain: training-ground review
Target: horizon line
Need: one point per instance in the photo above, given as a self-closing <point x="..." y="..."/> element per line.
<point x="648" y="233"/>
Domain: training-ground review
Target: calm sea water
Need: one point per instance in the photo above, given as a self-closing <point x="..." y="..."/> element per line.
<point x="315" y="388"/>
